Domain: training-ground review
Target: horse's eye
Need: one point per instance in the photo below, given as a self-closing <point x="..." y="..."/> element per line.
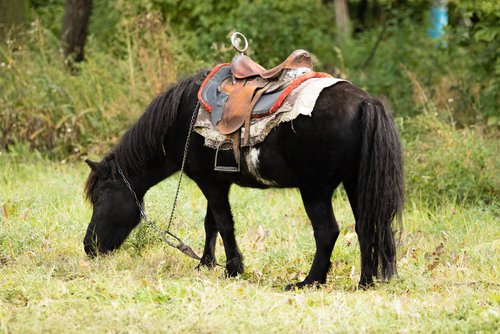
<point x="96" y="196"/>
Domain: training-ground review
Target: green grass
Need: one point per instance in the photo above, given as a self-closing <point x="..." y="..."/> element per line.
<point x="448" y="265"/>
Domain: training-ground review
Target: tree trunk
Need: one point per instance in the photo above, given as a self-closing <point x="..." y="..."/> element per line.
<point x="362" y="9"/>
<point x="377" y="11"/>
<point x="12" y="16"/>
<point x="342" y="21"/>
<point x="74" y="29"/>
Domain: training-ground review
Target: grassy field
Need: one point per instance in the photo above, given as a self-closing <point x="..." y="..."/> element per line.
<point x="448" y="266"/>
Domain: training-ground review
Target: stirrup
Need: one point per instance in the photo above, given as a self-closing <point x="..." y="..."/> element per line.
<point x="227" y="169"/>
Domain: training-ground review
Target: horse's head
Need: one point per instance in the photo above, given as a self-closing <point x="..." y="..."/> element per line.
<point x="115" y="212"/>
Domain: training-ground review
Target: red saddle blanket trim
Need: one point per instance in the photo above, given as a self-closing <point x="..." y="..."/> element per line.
<point x="292" y="86"/>
<point x="281" y="98"/>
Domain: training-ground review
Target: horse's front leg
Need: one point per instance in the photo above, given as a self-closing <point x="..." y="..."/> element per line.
<point x="217" y="195"/>
<point x="208" y="257"/>
<point x="319" y="210"/>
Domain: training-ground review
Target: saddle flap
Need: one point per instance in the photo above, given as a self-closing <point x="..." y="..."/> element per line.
<point x="239" y="104"/>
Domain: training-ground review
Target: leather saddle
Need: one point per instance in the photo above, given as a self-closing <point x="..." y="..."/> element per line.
<point x="237" y="92"/>
<point x="244" y="67"/>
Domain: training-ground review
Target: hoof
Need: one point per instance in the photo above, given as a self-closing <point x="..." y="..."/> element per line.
<point x="301" y="285"/>
<point x="365" y="283"/>
<point x="234" y="267"/>
<point x="365" y="286"/>
<point x="208" y="262"/>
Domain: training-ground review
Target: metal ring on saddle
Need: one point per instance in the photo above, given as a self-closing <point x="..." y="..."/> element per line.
<point x="234" y="39"/>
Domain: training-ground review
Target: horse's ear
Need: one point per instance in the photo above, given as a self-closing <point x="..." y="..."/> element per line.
<point x="92" y="164"/>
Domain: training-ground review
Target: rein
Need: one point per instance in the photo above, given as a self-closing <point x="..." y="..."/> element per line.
<point x="180" y="245"/>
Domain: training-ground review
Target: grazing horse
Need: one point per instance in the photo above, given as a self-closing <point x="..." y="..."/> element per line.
<point x="350" y="138"/>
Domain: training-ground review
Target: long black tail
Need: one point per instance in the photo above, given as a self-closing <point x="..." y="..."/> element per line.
<point x="380" y="189"/>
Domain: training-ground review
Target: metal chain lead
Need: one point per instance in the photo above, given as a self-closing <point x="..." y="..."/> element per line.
<point x="184" y="158"/>
<point x="181" y="246"/>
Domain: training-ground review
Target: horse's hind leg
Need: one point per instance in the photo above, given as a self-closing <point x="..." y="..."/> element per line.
<point x="367" y="264"/>
<point x="208" y="257"/>
<point x="319" y="209"/>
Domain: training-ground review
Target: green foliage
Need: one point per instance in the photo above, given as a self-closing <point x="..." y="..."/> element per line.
<point x="64" y="114"/>
<point x="446" y="98"/>
<point x="478" y="42"/>
<point x="50" y="12"/>
<point x="201" y="30"/>
<point x="42" y="104"/>
<point x="444" y="164"/>
<point x="461" y="77"/>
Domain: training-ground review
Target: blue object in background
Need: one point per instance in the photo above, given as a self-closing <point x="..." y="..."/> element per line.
<point x="438" y="18"/>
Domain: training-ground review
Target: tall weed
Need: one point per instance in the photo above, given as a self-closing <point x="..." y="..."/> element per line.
<point x="63" y="114"/>
<point x="444" y="163"/>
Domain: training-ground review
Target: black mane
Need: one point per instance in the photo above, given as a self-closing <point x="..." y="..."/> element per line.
<point x="144" y="139"/>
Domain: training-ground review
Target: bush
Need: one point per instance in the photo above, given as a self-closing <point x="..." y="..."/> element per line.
<point x="463" y="76"/>
<point x="200" y="30"/>
<point x="444" y="164"/>
<point x="460" y="76"/>
<point x="446" y="99"/>
<point x="63" y="115"/>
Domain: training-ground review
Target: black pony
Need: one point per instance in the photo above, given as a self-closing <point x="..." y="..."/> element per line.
<point x="350" y="138"/>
